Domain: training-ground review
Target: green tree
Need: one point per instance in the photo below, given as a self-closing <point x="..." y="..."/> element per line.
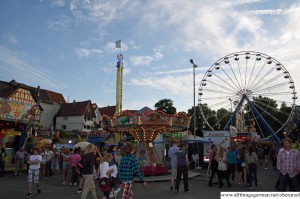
<point x="165" y="105"/>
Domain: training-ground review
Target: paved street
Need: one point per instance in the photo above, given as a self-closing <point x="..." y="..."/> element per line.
<point x="16" y="188"/>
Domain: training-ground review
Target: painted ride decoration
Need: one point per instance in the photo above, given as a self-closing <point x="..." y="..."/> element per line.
<point x="145" y="125"/>
<point x="14" y="118"/>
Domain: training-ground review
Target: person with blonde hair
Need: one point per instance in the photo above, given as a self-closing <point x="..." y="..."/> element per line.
<point x="104" y="172"/>
<point x="221" y="158"/>
<point x="66" y="164"/>
<point x="88" y="162"/>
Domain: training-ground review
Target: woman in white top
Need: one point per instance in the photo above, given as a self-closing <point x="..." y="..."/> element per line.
<point x="221" y="158"/>
<point x="105" y="171"/>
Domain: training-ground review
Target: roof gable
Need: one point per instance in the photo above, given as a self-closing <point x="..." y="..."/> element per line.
<point x="109" y="110"/>
<point x="41" y="95"/>
<point x="76" y="109"/>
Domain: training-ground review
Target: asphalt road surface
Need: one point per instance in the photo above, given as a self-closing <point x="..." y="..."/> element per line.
<point x="16" y="187"/>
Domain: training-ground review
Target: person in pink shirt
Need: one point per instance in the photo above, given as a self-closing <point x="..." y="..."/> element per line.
<point x="213" y="164"/>
<point x="74" y="160"/>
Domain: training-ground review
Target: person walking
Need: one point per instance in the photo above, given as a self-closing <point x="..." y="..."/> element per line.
<point x="74" y="159"/>
<point x="129" y="167"/>
<point x="33" y="171"/>
<point x="113" y="164"/>
<point x="66" y="165"/>
<point x="104" y="172"/>
<point x="55" y="161"/>
<point x="221" y="157"/>
<point x="88" y="163"/>
<point x="19" y="160"/>
<point x="212" y="163"/>
<point x="231" y="160"/>
<point x="2" y="161"/>
<point x="195" y="160"/>
<point x="252" y="162"/>
<point x="288" y="164"/>
<point x="171" y="155"/>
<point x="182" y="160"/>
<point x="266" y="154"/>
<point x="43" y="163"/>
<point x="260" y="154"/>
<point x="49" y="158"/>
<point x="244" y="173"/>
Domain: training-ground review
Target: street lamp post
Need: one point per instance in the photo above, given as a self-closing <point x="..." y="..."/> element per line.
<point x="194" y="66"/>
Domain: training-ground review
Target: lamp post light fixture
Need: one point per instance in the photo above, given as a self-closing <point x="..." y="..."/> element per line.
<point x="194" y="66"/>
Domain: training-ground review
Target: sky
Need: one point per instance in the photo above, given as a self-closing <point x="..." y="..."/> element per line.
<point x="68" y="46"/>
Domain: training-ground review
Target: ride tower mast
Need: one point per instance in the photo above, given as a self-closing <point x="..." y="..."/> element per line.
<point x="119" y="88"/>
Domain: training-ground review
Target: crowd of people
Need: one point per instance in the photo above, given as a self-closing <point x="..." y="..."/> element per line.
<point x="89" y="168"/>
<point x="86" y="168"/>
<point x="245" y="159"/>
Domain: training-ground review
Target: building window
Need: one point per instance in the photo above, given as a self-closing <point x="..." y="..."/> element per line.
<point x="66" y="118"/>
<point x="64" y="126"/>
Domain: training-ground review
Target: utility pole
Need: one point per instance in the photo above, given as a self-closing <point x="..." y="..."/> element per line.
<point x="194" y="91"/>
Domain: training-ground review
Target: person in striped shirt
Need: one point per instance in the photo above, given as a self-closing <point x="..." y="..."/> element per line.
<point x="288" y="164"/>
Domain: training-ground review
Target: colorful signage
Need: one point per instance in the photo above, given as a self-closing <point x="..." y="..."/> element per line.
<point x="15" y="111"/>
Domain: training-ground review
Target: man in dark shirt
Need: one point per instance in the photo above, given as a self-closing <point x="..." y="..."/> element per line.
<point x="88" y="163"/>
<point x="181" y="157"/>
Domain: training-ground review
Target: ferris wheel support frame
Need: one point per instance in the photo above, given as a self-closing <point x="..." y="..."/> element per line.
<point x="255" y="111"/>
<point x="263" y="121"/>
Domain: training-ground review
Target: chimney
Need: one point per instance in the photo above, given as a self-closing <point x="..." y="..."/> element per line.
<point x="13" y="82"/>
<point x="38" y="91"/>
<point x="74" y="101"/>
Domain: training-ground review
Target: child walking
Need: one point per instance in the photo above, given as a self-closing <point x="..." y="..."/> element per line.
<point x="33" y="172"/>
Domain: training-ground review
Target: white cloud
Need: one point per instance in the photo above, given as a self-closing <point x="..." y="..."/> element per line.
<point x="133" y="45"/>
<point x="147" y="59"/>
<point x="240" y="2"/>
<point x="101" y="12"/>
<point x="85" y="52"/>
<point x="141" y="60"/>
<point x="110" y="47"/>
<point x="268" y="12"/>
<point x="179" y="84"/>
<point x="59" y="3"/>
<point x="62" y="23"/>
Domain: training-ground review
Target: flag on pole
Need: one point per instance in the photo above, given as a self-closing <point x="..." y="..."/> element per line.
<point x="118" y="44"/>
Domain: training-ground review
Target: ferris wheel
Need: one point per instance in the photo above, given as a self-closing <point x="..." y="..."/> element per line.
<point x="248" y="90"/>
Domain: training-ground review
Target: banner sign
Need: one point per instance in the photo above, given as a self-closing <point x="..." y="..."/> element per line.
<point x="15" y="111"/>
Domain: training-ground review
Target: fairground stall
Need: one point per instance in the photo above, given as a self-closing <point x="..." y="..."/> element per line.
<point x="14" y="118"/>
<point x="145" y="126"/>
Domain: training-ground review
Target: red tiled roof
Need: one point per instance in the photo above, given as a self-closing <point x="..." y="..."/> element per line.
<point x="57" y="98"/>
<point x="76" y="109"/>
<point x="109" y="110"/>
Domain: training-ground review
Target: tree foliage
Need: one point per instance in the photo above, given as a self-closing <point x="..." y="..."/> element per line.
<point x="165" y="105"/>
